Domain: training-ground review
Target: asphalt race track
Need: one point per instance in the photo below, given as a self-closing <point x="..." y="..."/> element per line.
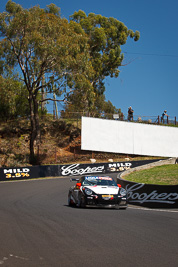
<point x="37" y="228"/>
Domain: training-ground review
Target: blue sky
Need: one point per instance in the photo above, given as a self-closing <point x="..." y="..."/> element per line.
<point x="149" y="81"/>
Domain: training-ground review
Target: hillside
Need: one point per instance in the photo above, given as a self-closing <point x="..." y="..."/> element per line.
<point x="60" y="143"/>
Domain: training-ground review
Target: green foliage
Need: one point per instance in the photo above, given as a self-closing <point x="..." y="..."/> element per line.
<point x="53" y="9"/>
<point x="102" y="108"/>
<point x="13" y="99"/>
<point x="105" y="38"/>
<point x="12" y="8"/>
<point x="106" y="35"/>
<point x="41" y="43"/>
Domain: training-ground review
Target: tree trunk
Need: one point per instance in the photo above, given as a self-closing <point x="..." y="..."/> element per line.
<point x="43" y="94"/>
<point x="35" y="128"/>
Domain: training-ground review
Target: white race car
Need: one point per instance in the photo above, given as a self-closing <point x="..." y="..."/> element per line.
<point x="97" y="191"/>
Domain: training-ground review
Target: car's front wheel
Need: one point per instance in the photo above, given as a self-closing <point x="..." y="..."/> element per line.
<point x="118" y="207"/>
<point x="70" y="201"/>
<point x="81" y="201"/>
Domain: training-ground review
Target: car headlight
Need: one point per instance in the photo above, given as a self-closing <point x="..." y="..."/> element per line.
<point x="123" y="192"/>
<point x="88" y="191"/>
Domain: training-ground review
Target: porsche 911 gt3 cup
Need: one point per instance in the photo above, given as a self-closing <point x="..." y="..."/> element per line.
<point x="97" y="191"/>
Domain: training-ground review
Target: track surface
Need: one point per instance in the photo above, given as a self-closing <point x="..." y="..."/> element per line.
<point x="37" y="228"/>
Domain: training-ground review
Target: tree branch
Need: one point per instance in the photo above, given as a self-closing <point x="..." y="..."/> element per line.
<point x="46" y="99"/>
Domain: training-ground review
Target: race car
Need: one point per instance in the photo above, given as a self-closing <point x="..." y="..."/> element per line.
<point x="97" y="191"/>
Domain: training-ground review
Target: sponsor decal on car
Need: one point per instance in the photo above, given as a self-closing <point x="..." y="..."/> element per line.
<point x="98" y="178"/>
<point x="107" y="197"/>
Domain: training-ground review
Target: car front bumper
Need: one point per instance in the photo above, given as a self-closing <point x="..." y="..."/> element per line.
<point x="99" y="201"/>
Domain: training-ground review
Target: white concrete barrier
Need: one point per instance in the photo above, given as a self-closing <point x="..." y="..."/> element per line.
<point x="129" y="138"/>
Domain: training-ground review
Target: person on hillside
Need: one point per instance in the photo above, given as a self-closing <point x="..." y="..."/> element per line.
<point x="163" y="115"/>
<point x="130" y="114"/>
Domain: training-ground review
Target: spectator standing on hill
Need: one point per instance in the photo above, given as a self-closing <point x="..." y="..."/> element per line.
<point x="164" y="114"/>
<point x="130" y="114"/>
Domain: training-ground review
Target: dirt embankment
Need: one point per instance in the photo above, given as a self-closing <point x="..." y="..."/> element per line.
<point x="60" y="143"/>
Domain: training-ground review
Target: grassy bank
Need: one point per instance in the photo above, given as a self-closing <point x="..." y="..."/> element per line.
<point x="162" y="175"/>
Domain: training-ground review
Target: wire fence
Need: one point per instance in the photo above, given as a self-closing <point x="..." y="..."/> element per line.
<point x="76" y="116"/>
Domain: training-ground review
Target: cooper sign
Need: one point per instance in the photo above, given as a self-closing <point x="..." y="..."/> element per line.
<point x="151" y="196"/>
<point x="75" y="169"/>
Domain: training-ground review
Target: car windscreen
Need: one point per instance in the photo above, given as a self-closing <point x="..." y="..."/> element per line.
<point x="99" y="181"/>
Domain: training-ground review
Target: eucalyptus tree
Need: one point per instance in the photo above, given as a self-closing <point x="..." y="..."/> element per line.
<point x="40" y="43"/>
<point x="106" y="36"/>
